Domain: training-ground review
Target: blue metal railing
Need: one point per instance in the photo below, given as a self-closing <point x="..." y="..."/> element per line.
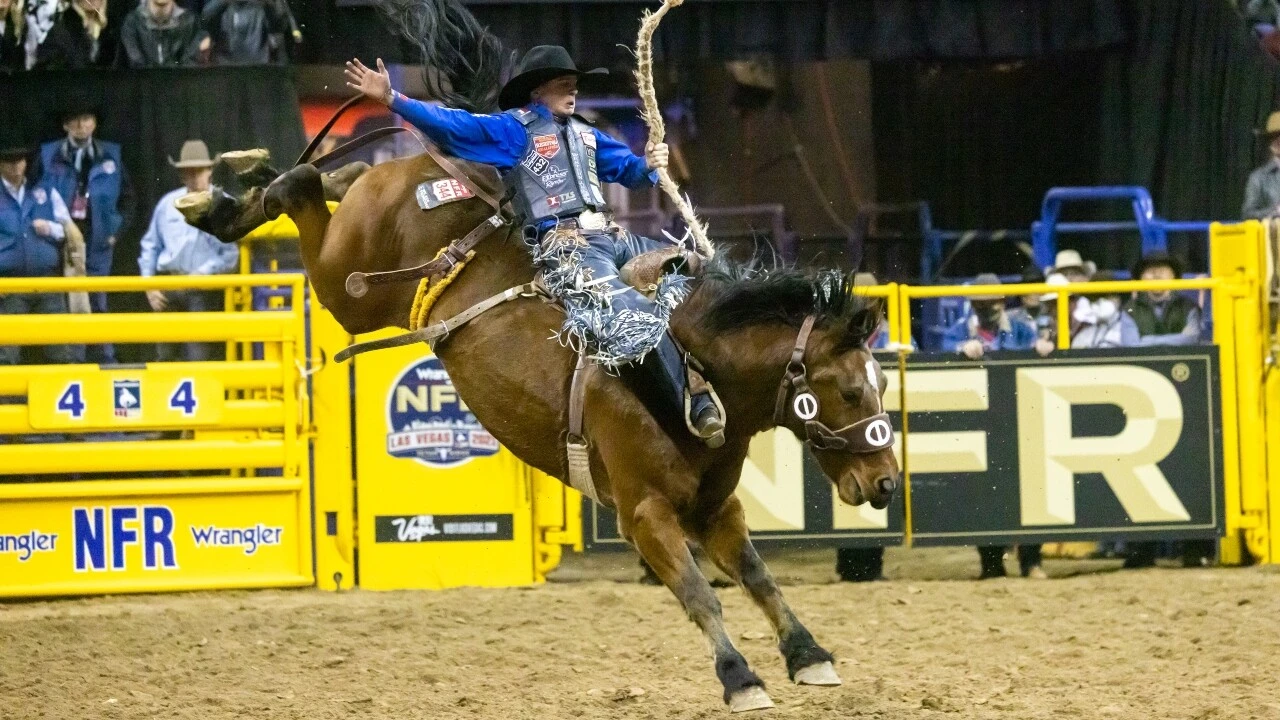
<point x="1153" y="229"/>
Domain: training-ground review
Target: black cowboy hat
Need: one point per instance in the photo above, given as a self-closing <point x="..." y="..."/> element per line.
<point x="540" y="64"/>
<point x="13" y="144"/>
<point x="77" y="105"/>
<point x="1157" y="260"/>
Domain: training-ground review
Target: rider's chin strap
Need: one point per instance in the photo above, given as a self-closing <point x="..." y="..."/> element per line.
<point x="869" y="435"/>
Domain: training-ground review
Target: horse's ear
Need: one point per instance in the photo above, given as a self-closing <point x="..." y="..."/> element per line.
<point x="864" y="322"/>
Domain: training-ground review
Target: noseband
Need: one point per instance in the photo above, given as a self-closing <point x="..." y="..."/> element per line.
<point x="868" y="435"/>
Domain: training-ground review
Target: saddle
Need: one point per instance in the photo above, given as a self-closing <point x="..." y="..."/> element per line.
<point x="643" y="271"/>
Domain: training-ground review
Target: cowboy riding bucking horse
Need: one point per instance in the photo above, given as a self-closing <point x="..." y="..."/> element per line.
<point x="552" y="163"/>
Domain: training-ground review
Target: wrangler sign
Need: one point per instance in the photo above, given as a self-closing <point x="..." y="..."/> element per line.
<point x="1082" y="445"/>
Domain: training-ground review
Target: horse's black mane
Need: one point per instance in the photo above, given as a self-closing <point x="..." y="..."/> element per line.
<point x="747" y="294"/>
<point x="463" y="63"/>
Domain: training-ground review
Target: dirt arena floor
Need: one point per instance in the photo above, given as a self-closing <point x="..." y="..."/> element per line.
<point x="1092" y="642"/>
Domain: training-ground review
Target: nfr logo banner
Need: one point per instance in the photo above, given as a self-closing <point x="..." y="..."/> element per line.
<point x="1085" y="444"/>
<point x="428" y="422"/>
<point x="105" y="543"/>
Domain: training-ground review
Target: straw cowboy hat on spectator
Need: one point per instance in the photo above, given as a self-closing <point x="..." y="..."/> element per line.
<point x="1272" y="128"/>
<point x="194" y="154"/>
<point x="1070" y="260"/>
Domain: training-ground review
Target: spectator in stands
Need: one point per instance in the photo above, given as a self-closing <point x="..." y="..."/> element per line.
<point x="34" y="224"/>
<point x="1037" y="312"/>
<point x="172" y="247"/>
<point x="1262" y="192"/>
<point x="242" y="29"/>
<point x="1107" y="325"/>
<point x="89" y="175"/>
<point x="1163" y="317"/>
<point x="81" y="35"/>
<point x="987" y="327"/>
<point x="159" y="33"/>
<point x="12" y="33"/>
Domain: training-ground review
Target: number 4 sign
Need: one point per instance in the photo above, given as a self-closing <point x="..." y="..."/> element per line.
<point x="183" y="398"/>
<point x="71" y="401"/>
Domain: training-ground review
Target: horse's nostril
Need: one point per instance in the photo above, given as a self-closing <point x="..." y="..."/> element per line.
<point x="887" y="485"/>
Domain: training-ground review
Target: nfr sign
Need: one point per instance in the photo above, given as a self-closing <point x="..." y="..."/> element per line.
<point x="1083" y="445"/>
<point x="102" y="537"/>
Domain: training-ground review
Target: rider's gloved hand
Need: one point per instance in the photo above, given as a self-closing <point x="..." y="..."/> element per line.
<point x="656" y="155"/>
<point x="374" y="84"/>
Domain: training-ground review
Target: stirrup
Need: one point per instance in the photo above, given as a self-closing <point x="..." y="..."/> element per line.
<point x="697" y="385"/>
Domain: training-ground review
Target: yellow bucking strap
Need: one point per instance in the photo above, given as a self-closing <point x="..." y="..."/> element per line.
<point x="427" y="294"/>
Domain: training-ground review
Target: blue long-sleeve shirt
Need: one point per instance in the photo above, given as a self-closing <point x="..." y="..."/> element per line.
<point x="499" y="140"/>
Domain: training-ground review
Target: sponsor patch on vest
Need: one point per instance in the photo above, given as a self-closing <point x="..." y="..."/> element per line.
<point x="109" y="166"/>
<point x="535" y="163"/>
<point x="555" y="201"/>
<point x="434" y="193"/>
<point x="554" y="177"/>
<point x="428" y="422"/>
<point x="546" y="145"/>
<point x="588" y="138"/>
<point x="40" y="196"/>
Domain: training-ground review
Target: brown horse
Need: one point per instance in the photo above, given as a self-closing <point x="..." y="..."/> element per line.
<point x="668" y="489"/>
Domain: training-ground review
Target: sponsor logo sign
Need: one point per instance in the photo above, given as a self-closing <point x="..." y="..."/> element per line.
<point x="428" y="422"/>
<point x="442" y="528"/>
<point x="127" y="398"/>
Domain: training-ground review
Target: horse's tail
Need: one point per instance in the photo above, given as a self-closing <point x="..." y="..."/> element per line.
<point x="464" y="62"/>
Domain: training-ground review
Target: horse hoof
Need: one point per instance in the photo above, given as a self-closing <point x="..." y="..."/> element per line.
<point x="242" y="161"/>
<point x="193" y="206"/>
<point x="752" y="698"/>
<point x="820" y="674"/>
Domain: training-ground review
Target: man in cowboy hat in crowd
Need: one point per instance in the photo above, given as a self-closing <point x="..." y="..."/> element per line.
<point x="33" y="228"/>
<point x="1262" y="193"/>
<point x="553" y="163"/>
<point x="89" y="175"/>
<point x="172" y="247"/>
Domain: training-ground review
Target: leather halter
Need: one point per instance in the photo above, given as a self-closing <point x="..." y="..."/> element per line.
<point x="796" y="399"/>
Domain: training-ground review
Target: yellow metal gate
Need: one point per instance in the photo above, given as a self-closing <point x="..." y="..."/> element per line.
<point x="164" y="476"/>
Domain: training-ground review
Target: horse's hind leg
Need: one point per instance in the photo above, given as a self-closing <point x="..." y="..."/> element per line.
<point x="230" y="218"/>
<point x="655" y="530"/>
<point x="726" y="542"/>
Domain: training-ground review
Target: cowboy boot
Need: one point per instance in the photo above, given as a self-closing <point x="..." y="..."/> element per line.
<point x="701" y="409"/>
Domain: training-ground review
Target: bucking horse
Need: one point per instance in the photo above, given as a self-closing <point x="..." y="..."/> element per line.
<point x="782" y="347"/>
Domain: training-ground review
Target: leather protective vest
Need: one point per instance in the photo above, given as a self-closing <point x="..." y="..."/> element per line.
<point x="557" y="176"/>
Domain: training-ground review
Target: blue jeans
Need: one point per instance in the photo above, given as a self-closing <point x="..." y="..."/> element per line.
<point x="619" y="324"/>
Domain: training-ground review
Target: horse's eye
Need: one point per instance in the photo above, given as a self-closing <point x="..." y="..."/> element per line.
<point x="853" y="397"/>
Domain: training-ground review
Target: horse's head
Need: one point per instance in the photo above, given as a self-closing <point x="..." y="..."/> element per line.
<point x="832" y="389"/>
<point x="832" y="396"/>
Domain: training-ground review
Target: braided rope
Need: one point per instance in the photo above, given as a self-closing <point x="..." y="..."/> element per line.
<point x="652" y="115"/>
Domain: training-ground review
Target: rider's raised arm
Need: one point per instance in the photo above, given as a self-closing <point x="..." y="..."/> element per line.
<point x="496" y="140"/>
<point x="616" y="163"/>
